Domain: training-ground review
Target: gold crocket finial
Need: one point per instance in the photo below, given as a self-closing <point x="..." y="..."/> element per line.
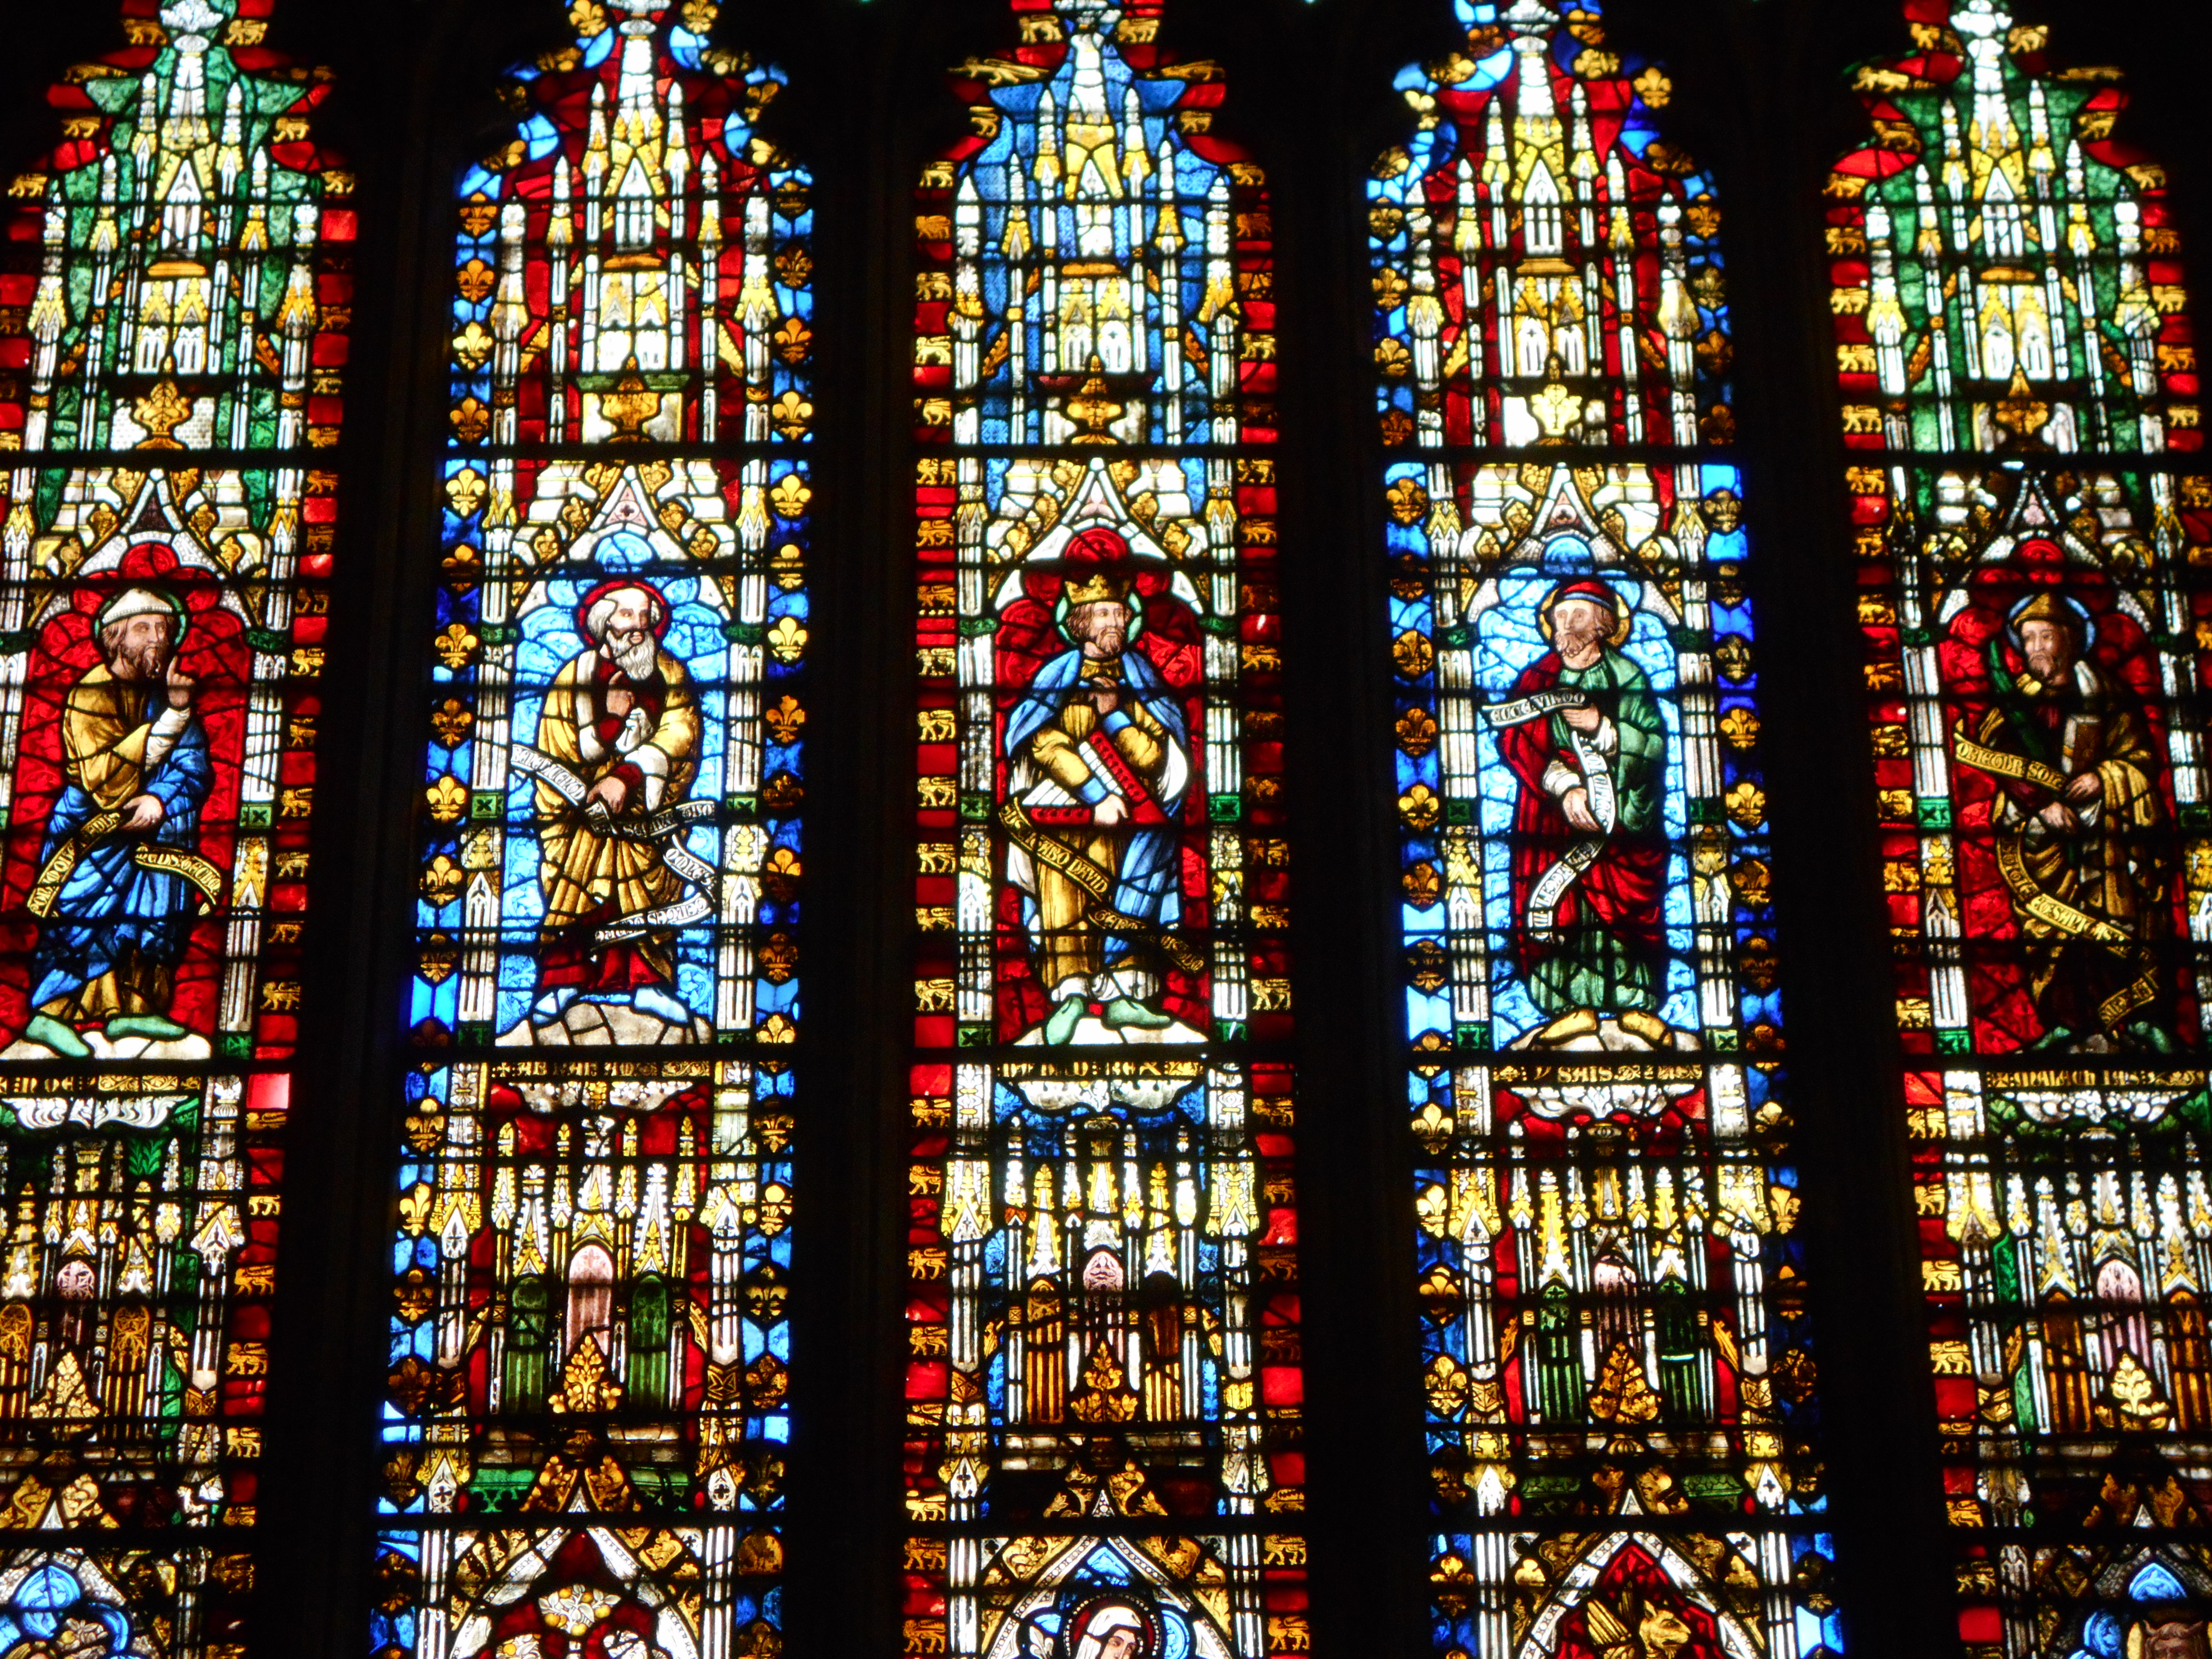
<point x="2019" y="412"/>
<point x="161" y="412"/>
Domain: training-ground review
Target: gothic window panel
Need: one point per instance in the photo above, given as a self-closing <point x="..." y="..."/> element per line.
<point x="120" y="1603"/>
<point x="1104" y="1394"/>
<point x="177" y="296"/>
<point x="2016" y="355"/>
<point x="627" y="1591"/>
<point x="1555" y="275"/>
<point x="133" y="1351"/>
<point x="587" y="1244"/>
<point x="545" y="916"/>
<point x="1985" y="591"/>
<point x="593" y="1252"/>
<point x="2006" y="268"/>
<point x="1606" y="1209"/>
<point x="172" y="313"/>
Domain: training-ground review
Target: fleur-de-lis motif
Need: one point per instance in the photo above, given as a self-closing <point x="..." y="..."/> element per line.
<point x="448" y="798"/>
<point x="455" y="646"/>
<point x="789" y="495"/>
<point x="786" y="639"/>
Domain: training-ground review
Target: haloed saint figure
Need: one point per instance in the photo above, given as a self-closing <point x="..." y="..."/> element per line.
<point x="120" y="880"/>
<point x="1098" y="766"/>
<point x="2076" y="818"/>
<point x="617" y="749"/>
<point x="1109" y="1626"/>
<point x="1583" y="735"/>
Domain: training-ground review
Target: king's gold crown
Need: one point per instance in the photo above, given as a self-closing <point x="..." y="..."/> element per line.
<point x="1098" y="585"/>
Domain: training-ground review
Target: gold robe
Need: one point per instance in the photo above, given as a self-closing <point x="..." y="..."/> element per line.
<point x="106" y="726"/>
<point x="1072" y="947"/>
<point x="2106" y="872"/>
<point x="582" y="871"/>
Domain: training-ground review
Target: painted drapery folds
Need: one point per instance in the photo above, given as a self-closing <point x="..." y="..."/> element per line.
<point x="585" y="1416"/>
<point x="1620" y="1377"/>
<point x="173" y="308"/>
<point x="1103" y="1391"/>
<point x="2016" y="361"/>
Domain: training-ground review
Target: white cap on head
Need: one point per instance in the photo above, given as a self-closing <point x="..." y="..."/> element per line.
<point x="136" y="602"/>
<point x="1105" y="1624"/>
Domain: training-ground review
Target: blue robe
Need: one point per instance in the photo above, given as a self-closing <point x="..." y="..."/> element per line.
<point x="110" y="906"/>
<point x="1145" y="887"/>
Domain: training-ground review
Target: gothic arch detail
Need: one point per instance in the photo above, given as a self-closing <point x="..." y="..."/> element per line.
<point x="592" y="1265"/>
<point x="2012" y="339"/>
<point x="1606" y="1207"/>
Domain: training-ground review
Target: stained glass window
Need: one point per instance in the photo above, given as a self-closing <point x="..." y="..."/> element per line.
<point x="585" y="1415"/>
<point x="173" y="312"/>
<point x="1619" y="1383"/>
<point x="2017" y="366"/>
<point x="1103" y="1392"/>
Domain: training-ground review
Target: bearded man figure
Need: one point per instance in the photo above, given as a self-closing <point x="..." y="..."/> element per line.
<point x="1098" y="772"/>
<point x="1583" y="736"/>
<point x="120" y="880"/>
<point x="2077" y="821"/>
<point x="621" y="729"/>
<point x="2173" y="1639"/>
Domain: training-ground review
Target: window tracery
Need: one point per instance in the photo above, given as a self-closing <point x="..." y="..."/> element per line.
<point x="2013" y="343"/>
<point x="1620" y="1384"/>
<point x="174" y="310"/>
<point x="586" y="1417"/>
<point x="1103" y="1397"/>
<point x="588" y="1400"/>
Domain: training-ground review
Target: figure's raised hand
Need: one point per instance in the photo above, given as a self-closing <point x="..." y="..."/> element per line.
<point x="1105" y="698"/>
<point x="180" y="687"/>
<point x="2086" y="786"/>
<point x="1575" y="804"/>
<point x="1584" y="719"/>
<point x="142" y="813"/>
<point x="619" y="700"/>
<point x="1110" y="811"/>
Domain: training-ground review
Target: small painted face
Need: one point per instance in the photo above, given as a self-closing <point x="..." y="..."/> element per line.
<point x="1114" y="1632"/>
<point x="138" y="647"/>
<point x="1103" y="626"/>
<point x="1579" y="626"/>
<point x="2048" y="648"/>
<point x="630" y="622"/>
<point x="2173" y="1641"/>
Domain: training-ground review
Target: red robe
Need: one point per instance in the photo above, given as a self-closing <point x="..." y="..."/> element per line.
<point x="1620" y="896"/>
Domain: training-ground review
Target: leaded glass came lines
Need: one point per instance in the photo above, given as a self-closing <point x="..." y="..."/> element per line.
<point x="173" y="308"/>
<point x="1104" y="1392"/>
<point x="2013" y="346"/>
<point x="1619" y="1375"/>
<point x="587" y="1410"/>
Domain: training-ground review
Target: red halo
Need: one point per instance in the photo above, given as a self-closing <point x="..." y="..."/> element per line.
<point x="615" y="584"/>
<point x="1096" y="546"/>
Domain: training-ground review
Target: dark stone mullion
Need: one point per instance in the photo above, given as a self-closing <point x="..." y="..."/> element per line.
<point x="1760" y="98"/>
<point x="392" y="116"/>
